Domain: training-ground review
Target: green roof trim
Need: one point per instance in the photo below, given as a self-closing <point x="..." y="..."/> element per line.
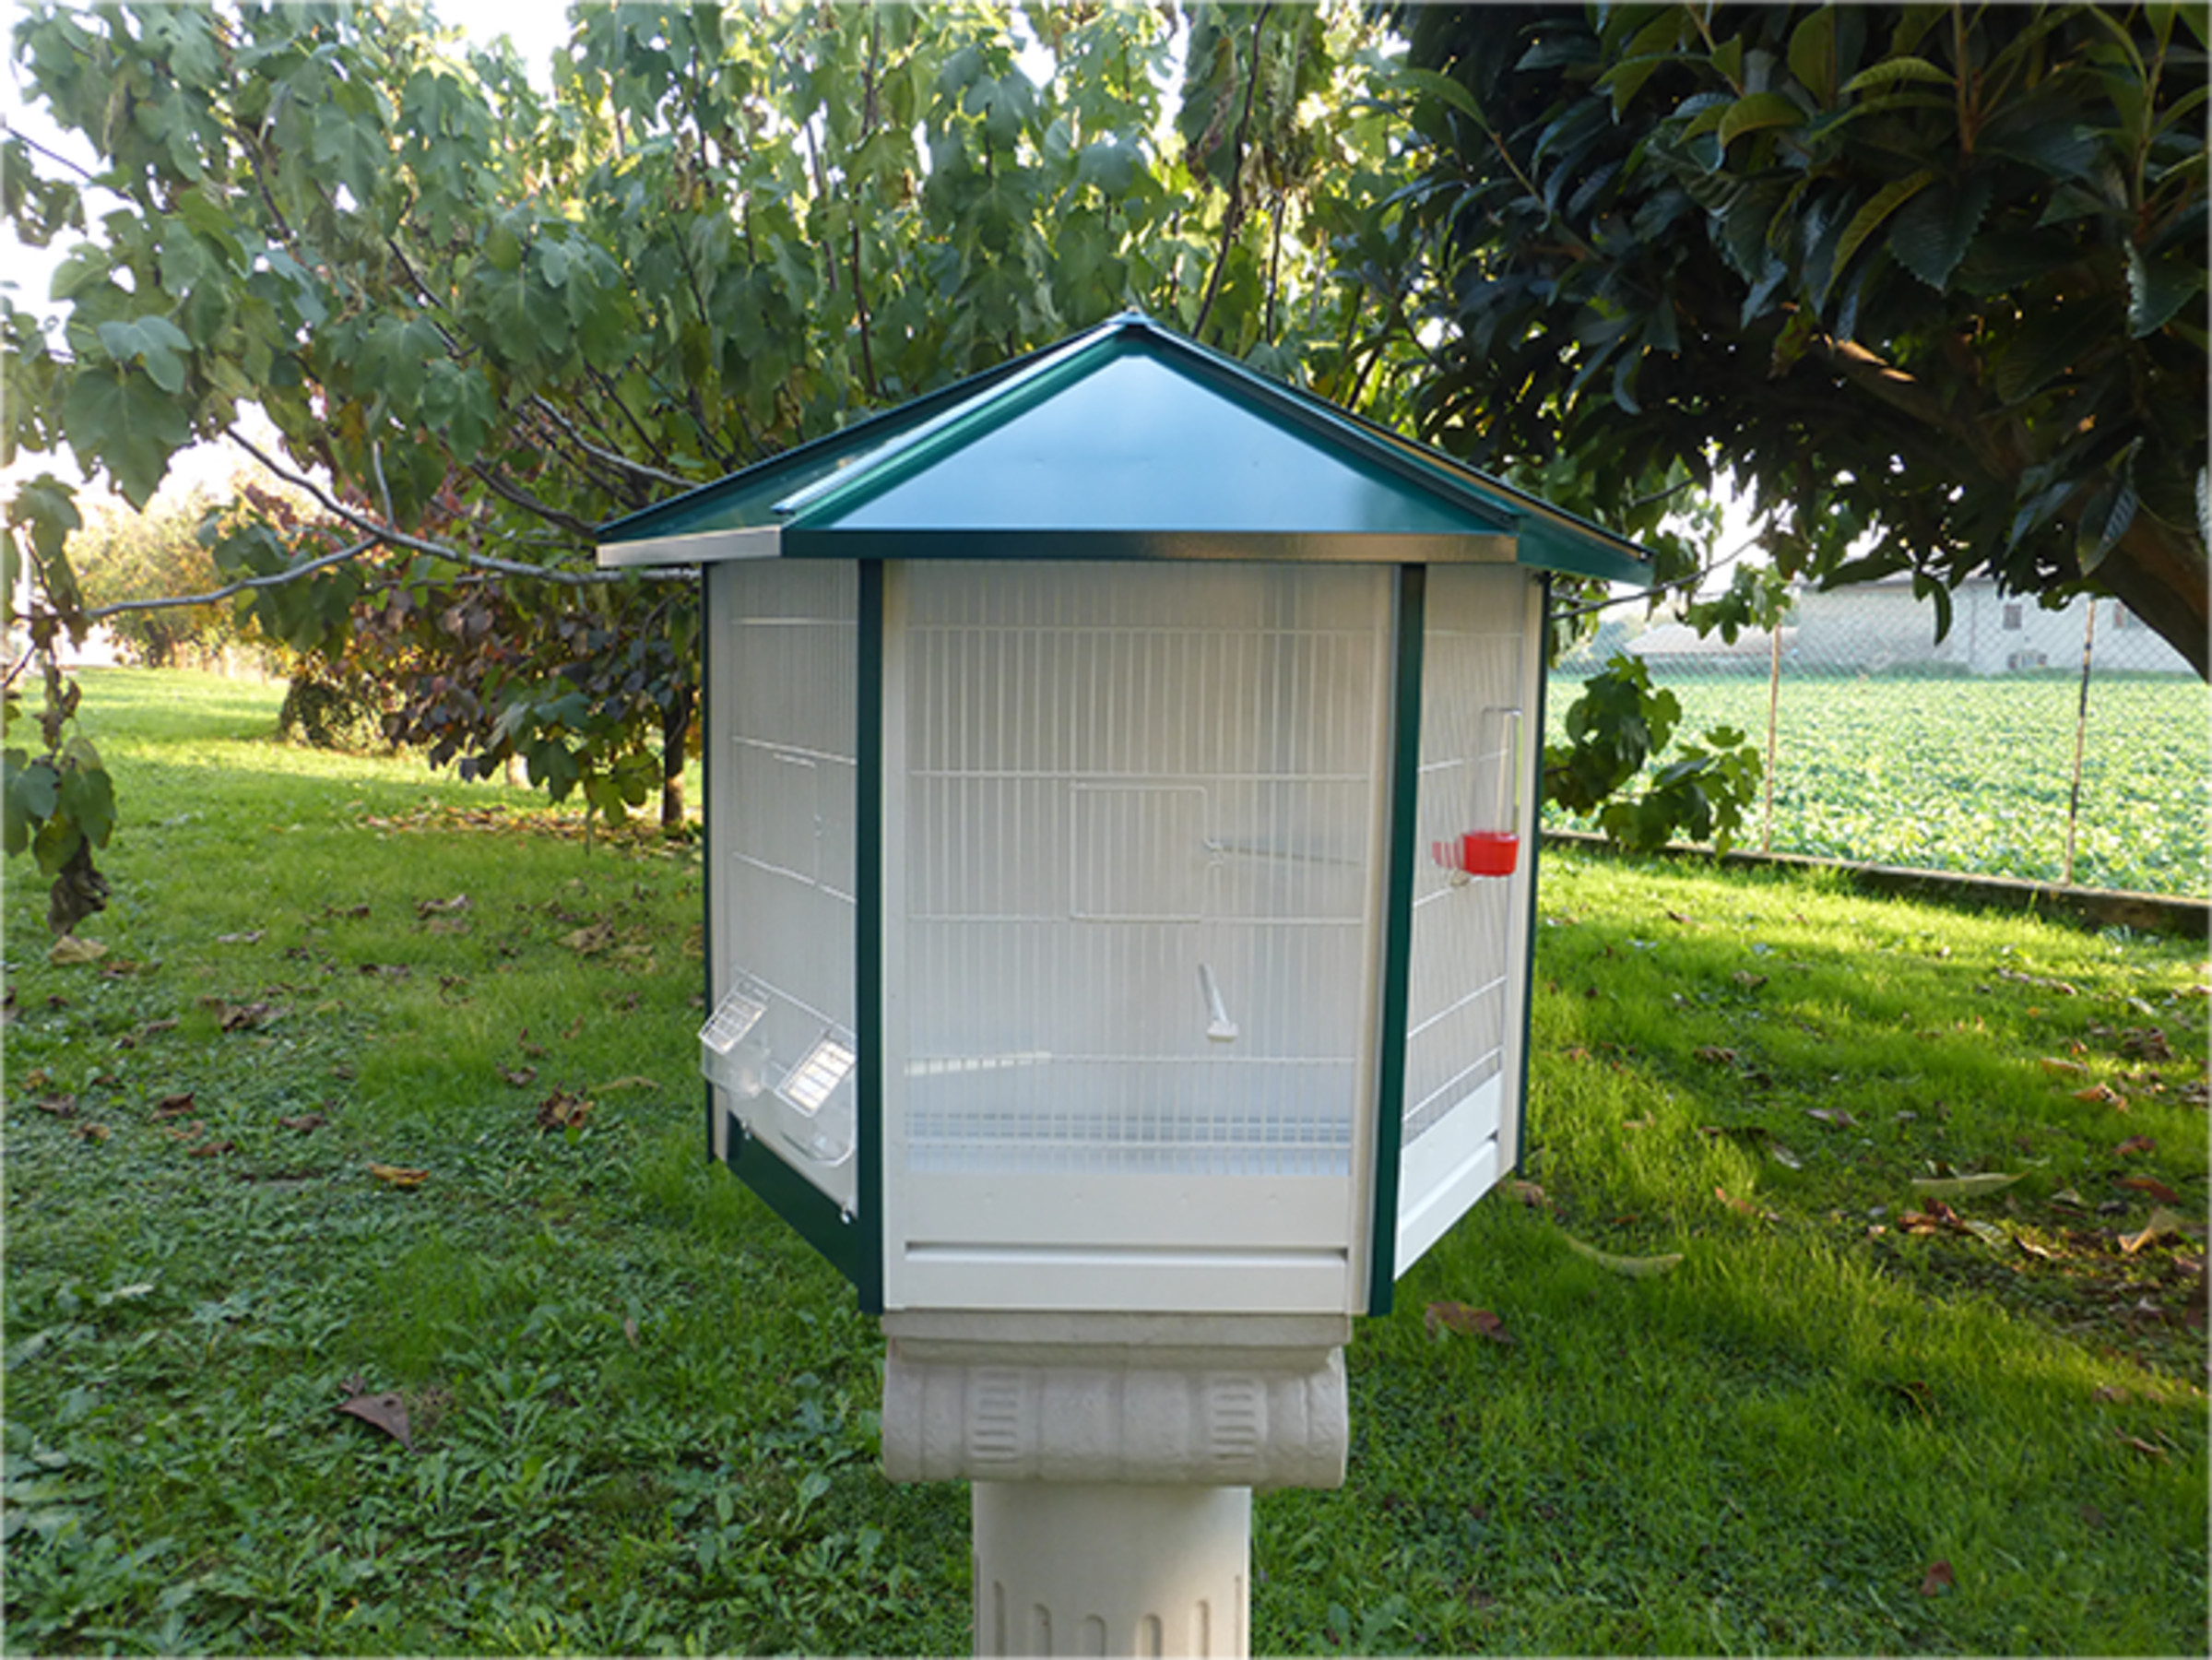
<point x="1127" y="441"/>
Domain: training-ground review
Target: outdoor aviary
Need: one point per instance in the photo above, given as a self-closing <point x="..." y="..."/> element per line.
<point x="1254" y="681"/>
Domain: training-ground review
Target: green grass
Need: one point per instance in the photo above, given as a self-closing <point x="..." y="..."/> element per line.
<point x="644" y="1413"/>
<point x="1971" y="774"/>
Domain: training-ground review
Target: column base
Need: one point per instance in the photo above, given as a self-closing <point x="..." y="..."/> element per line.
<point x="1097" y="1569"/>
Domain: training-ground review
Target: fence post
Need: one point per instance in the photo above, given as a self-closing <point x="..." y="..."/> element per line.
<point x="2081" y="730"/>
<point x="1774" y="698"/>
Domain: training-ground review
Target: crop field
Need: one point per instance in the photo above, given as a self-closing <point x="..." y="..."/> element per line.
<point x="1973" y="775"/>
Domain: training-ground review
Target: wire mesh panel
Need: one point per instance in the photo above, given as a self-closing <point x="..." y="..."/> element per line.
<point x="1470" y="897"/>
<point x="1140" y="846"/>
<point x="778" y="1043"/>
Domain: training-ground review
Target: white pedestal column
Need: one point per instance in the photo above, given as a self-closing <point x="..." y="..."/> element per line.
<point x="1089" y="1568"/>
<point x="1114" y="1458"/>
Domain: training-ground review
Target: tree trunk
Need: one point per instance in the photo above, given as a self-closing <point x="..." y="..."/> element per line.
<point x="675" y="729"/>
<point x="2159" y="573"/>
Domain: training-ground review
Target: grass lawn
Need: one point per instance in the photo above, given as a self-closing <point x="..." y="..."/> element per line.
<point x="282" y="1146"/>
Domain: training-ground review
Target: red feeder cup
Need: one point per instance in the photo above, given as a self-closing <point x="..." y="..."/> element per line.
<point x="1480" y="852"/>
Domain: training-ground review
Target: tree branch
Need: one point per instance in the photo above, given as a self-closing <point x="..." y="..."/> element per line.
<point x="1233" y="215"/>
<point x="275" y="579"/>
<point x="530" y="503"/>
<point x="400" y="539"/>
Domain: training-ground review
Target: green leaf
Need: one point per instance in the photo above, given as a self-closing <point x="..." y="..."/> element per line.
<point x="1444" y="89"/>
<point x="49" y="507"/>
<point x="1930" y="235"/>
<point x="153" y="341"/>
<point x="2156" y="289"/>
<point x="88" y="796"/>
<point x="121" y="423"/>
<point x="1756" y="112"/>
<point x="1876" y="209"/>
<point x="32" y="793"/>
<point x="1897" y="71"/>
<point x="1812" y="55"/>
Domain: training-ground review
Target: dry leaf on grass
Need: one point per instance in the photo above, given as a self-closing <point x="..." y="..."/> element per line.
<point x="1938" y="1581"/>
<point x="305" y="1120"/>
<point x="399" y="1176"/>
<point x="563" y="1110"/>
<point x="69" y="951"/>
<point x="386" y="1412"/>
<point x="1459" y="1317"/>
<point x="90" y="1133"/>
<point x="2163" y="1222"/>
<point x="2153" y="1186"/>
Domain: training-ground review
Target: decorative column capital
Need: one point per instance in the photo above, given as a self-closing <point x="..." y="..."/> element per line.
<point x="1252" y="1401"/>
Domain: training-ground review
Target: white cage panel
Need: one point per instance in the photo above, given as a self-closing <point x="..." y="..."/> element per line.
<point x="1140" y="866"/>
<point x="783" y="701"/>
<point x="1475" y="817"/>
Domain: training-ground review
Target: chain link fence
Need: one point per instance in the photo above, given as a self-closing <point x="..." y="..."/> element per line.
<point x="2061" y="746"/>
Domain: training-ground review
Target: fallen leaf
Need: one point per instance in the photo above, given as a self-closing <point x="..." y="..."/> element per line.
<point x="214" y="1149"/>
<point x="253" y="936"/>
<point x="1458" y="1316"/>
<point x="1677" y="917"/>
<point x="2137" y="1443"/>
<point x="59" y="1105"/>
<point x="441" y="907"/>
<point x="1835" y="1118"/>
<point x="2153" y="1186"/>
<point x="634" y="1081"/>
<point x="1785" y="1158"/>
<point x="1939" y="1580"/>
<point x="1645" y="1122"/>
<point x="304" y="1122"/>
<point x="1530" y="1195"/>
<point x="1748" y="980"/>
<point x="2135" y="1143"/>
<point x="91" y="1132"/>
<point x="68" y="950"/>
<point x="445" y="925"/>
<point x="2138" y="1043"/>
<point x="2064" y="1068"/>
<point x="2163" y="1222"/>
<point x="630" y="1329"/>
<point x="399" y="1176"/>
<point x="592" y="940"/>
<point x="521" y="1077"/>
<point x="1577" y="1053"/>
<point x="385" y="1412"/>
<point x="1634" y="1267"/>
<point x="173" y="1105"/>
<point x="563" y="1110"/>
<point x="247" y="1017"/>
<point x="1715" y="1056"/>
<point x="2101" y="1094"/>
<point x="1989" y="1233"/>
<point x="1962" y="1187"/>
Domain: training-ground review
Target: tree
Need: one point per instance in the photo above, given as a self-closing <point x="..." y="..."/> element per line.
<point x="1928" y="281"/>
<point x="484" y="317"/>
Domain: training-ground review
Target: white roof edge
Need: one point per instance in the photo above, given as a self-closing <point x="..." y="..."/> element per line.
<point x="704" y="547"/>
